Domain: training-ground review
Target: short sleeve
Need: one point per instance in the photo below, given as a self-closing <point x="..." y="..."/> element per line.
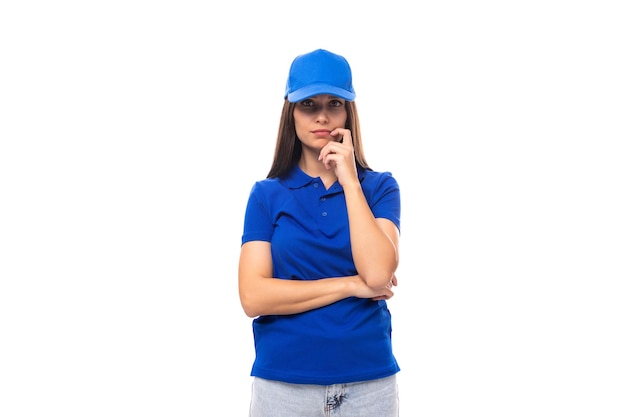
<point x="258" y="222"/>
<point x="384" y="198"/>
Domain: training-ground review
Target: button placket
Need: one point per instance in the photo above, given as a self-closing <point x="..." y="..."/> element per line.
<point x="322" y="200"/>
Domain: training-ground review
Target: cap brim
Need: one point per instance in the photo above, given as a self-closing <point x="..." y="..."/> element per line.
<point x="317" y="89"/>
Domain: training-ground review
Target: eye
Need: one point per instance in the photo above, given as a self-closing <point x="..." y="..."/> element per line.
<point x="335" y="103"/>
<point x="307" y="103"/>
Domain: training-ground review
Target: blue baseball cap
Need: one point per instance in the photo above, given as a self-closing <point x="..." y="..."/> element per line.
<point x="319" y="72"/>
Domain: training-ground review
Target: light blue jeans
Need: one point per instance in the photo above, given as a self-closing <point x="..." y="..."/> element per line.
<point x="376" y="398"/>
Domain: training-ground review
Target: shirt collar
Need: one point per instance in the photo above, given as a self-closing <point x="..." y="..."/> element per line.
<point x="296" y="178"/>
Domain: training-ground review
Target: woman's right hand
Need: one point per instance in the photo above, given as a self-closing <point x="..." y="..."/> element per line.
<point x="361" y="290"/>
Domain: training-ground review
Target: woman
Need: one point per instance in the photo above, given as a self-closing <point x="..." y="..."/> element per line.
<point x="318" y="258"/>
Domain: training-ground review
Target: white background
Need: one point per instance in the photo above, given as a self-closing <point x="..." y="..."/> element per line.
<point x="132" y="131"/>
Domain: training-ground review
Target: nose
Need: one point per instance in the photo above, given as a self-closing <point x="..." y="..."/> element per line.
<point x="322" y="116"/>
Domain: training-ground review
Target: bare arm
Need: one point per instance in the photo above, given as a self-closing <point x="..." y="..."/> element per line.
<point x="374" y="241"/>
<point x="262" y="294"/>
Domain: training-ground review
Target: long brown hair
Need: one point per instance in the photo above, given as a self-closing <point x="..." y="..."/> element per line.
<point x="289" y="149"/>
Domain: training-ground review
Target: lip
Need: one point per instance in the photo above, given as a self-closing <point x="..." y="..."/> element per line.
<point x="321" y="132"/>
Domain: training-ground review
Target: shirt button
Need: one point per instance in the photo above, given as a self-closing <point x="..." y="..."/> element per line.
<point x="323" y="198"/>
<point x="324" y="214"/>
<point x="316" y="185"/>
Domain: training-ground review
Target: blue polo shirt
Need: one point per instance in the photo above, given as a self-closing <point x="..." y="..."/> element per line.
<point x="307" y="225"/>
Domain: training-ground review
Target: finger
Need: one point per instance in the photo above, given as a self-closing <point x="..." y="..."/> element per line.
<point x="342" y="135"/>
<point x="326" y="159"/>
<point x="329" y="148"/>
<point x="324" y="153"/>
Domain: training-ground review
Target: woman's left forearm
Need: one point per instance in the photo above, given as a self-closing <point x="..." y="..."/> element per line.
<point x="374" y="249"/>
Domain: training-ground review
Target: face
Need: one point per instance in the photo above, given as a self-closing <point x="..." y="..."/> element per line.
<point x="316" y="117"/>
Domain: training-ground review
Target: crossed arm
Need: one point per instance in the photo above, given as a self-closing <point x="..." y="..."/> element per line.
<point x="375" y="257"/>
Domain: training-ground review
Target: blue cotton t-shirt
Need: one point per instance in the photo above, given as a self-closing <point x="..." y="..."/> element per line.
<point x="307" y="225"/>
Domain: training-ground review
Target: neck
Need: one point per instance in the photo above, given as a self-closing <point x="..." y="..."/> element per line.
<point x="312" y="167"/>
